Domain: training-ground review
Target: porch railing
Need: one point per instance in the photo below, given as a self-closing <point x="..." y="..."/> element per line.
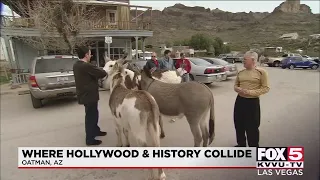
<point x="7" y="21"/>
<point x="21" y="78"/>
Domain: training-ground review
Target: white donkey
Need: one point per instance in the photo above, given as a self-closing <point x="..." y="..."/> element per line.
<point x="130" y="76"/>
<point x="135" y="111"/>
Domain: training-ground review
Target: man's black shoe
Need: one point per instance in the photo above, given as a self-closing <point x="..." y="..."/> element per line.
<point x="240" y="146"/>
<point x="94" y="142"/>
<point x="101" y="133"/>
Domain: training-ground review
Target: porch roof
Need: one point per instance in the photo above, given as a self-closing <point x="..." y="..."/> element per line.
<point x="31" y="32"/>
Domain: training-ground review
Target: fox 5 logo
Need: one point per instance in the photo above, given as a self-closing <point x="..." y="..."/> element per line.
<point x="280" y="154"/>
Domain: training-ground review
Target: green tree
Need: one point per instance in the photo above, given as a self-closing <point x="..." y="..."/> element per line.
<point x="176" y="43"/>
<point x="226" y="49"/>
<point x="218" y="46"/>
<point x="185" y="42"/>
<point x="168" y="43"/>
<point x="201" y="42"/>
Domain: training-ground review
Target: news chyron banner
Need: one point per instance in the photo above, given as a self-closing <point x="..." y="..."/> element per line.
<point x="267" y="160"/>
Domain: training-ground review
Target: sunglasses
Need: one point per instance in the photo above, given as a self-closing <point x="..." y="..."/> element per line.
<point x="153" y="56"/>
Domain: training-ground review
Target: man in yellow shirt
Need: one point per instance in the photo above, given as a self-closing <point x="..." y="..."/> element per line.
<point x="251" y="83"/>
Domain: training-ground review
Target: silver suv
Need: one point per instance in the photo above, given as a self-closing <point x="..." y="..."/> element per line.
<point x="51" y="77"/>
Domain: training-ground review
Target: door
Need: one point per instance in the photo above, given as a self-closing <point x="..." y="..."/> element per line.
<point x="298" y="62"/>
<point x="306" y="63"/>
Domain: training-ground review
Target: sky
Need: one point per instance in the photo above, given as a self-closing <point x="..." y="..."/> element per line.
<point x="231" y="6"/>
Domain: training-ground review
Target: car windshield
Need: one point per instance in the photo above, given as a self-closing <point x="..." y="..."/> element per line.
<point x="200" y="62"/>
<point x="145" y="55"/>
<point x="220" y="61"/>
<point x="55" y="65"/>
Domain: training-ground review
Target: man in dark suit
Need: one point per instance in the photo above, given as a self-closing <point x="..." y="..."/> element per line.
<point x="86" y="78"/>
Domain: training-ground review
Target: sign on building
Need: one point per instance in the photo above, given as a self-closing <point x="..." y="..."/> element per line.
<point x="108" y="39"/>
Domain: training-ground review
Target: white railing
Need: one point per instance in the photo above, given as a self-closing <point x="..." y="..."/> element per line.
<point x="21" y="78"/>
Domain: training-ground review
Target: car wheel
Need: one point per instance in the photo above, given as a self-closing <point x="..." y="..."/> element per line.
<point x="314" y="67"/>
<point x="291" y="66"/>
<point x="36" y="103"/>
<point x="276" y="64"/>
<point x="283" y="67"/>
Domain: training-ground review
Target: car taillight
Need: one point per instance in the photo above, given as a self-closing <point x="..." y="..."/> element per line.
<point x="33" y="82"/>
<point x="225" y="69"/>
<point x="209" y="71"/>
<point x="58" y="57"/>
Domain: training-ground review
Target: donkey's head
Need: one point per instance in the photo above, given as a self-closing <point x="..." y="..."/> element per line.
<point x="116" y="74"/>
<point x="146" y="78"/>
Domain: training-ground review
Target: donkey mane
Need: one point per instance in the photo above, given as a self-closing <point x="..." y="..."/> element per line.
<point x="147" y="72"/>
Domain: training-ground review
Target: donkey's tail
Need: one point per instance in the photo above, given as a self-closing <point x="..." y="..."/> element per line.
<point x="211" y="121"/>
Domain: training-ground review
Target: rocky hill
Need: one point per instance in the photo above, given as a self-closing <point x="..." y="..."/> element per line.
<point x="242" y="30"/>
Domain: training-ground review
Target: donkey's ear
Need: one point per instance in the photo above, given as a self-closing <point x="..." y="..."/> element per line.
<point x="120" y="61"/>
<point x="106" y="58"/>
<point x="125" y="65"/>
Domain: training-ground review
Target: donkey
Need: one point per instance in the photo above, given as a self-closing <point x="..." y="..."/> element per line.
<point x="133" y="76"/>
<point x="190" y="99"/>
<point x="135" y="111"/>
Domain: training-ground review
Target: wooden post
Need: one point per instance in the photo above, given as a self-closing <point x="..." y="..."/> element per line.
<point x="97" y="53"/>
<point x="136" y="17"/>
<point x="137" y="46"/>
<point x="150" y="18"/>
<point x="143" y="48"/>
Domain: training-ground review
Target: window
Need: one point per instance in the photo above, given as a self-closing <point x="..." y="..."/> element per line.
<point x="219" y="62"/>
<point x="297" y="58"/>
<point x="55" y="65"/>
<point x="200" y="62"/>
<point x="115" y="52"/>
<point x="112" y="17"/>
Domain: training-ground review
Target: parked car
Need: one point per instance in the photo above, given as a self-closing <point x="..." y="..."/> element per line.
<point x="231" y="69"/>
<point x="230" y="58"/>
<point x="51" y="77"/>
<point x="316" y="59"/>
<point x="307" y="57"/>
<point x="223" y="55"/>
<point x="298" y="62"/>
<point x="276" y="61"/>
<point x="205" y="72"/>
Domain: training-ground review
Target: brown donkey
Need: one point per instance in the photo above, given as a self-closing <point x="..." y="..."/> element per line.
<point x="190" y="99"/>
<point x="135" y="111"/>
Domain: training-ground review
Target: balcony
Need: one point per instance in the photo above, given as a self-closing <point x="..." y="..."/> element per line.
<point x="10" y="22"/>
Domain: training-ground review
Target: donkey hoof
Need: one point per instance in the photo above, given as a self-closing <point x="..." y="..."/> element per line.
<point x="162" y="135"/>
<point x="162" y="176"/>
<point x="128" y="145"/>
<point x="173" y="120"/>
